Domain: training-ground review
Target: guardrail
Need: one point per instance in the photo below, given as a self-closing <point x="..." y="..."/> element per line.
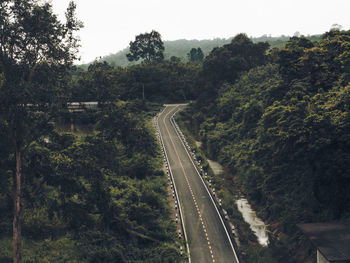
<point x="187" y="148"/>
<point x="172" y="183"/>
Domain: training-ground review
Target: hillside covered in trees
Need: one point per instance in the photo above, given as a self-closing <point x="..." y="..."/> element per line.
<point x="279" y="122"/>
<point x="273" y="111"/>
<point x="99" y="196"/>
<point x="96" y="193"/>
<point x="180" y="48"/>
<point x="276" y="118"/>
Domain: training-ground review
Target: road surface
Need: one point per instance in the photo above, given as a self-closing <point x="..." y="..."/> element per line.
<point x="207" y="238"/>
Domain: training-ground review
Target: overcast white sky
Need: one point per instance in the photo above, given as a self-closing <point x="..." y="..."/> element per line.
<point x="109" y="25"/>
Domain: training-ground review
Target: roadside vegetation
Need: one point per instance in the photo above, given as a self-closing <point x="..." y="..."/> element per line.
<point x="280" y="126"/>
<point x="97" y="197"/>
<point x="227" y="191"/>
<point x="181" y="48"/>
<point x="276" y="115"/>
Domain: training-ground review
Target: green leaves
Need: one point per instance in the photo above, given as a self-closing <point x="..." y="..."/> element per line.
<point x="282" y="128"/>
<point x="321" y="64"/>
<point x="148" y="46"/>
<point x="36" y="52"/>
<point x="195" y="55"/>
<point x="225" y="64"/>
<point x="98" y="83"/>
<point x="103" y="194"/>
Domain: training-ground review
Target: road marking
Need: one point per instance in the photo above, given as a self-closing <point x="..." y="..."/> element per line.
<point x="170" y="173"/>
<point x="216" y="208"/>
<point x="184" y="173"/>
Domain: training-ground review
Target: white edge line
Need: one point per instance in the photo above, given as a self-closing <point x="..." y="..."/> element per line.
<point x="183" y="104"/>
<point x="172" y="178"/>
<point x="229" y="239"/>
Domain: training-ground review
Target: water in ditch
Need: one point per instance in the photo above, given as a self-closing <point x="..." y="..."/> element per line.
<point x="249" y="215"/>
<point x="256" y="224"/>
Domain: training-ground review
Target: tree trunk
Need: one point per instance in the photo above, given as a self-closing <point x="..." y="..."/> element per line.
<point x="17" y="256"/>
<point x="72" y="125"/>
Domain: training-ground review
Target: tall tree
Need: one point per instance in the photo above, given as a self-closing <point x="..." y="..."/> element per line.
<point x="195" y="55"/>
<point x="36" y="52"/>
<point x="98" y="83"/>
<point x="227" y="63"/>
<point x="148" y="46"/>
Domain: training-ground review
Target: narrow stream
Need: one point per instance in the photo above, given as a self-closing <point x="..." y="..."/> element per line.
<point x="256" y="224"/>
<point x="249" y="215"/>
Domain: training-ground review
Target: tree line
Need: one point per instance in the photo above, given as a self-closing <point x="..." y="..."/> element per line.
<point x="278" y="120"/>
<point x="163" y="81"/>
<point x="180" y="48"/>
<point x="100" y="196"/>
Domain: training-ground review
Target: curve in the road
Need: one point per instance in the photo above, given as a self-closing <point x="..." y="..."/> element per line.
<point x="208" y="238"/>
<point x="175" y="188"/>
<point x="216" y="208"/>
<point x="192" y="194"/>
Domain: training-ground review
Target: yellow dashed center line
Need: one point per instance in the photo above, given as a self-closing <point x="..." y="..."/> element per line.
<point x="193" y="197"/>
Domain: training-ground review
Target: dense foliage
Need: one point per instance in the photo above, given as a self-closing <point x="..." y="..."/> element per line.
<point x="180" y="48"/>
<point x="277" y="116"/>
<point x="101" y="197"/>
<point x="36" y="53"/>
<point x="282" y="127"/>
<point x="97" y="197"/>
<point x="225" y="64"/>
<point x="195" y="55"/>
<point x="148" y="47"/>
<point x="164" y="82"/>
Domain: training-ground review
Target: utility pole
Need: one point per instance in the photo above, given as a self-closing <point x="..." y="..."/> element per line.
<point x="143" y="91"/>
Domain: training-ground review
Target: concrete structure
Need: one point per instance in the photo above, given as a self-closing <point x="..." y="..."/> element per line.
<point x="332" y="240"/>
<point x="81" y="106"/>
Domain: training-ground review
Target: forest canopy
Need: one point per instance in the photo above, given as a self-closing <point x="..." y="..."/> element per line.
<point x="274" y="111"/>
<point x="282" y="128"/>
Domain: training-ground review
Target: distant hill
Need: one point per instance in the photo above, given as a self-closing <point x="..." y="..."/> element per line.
<point x="178" y="48"/>
<point x="181" y="47"/>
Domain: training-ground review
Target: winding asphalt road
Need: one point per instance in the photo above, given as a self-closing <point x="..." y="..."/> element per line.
<point x="208" y="240"/>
